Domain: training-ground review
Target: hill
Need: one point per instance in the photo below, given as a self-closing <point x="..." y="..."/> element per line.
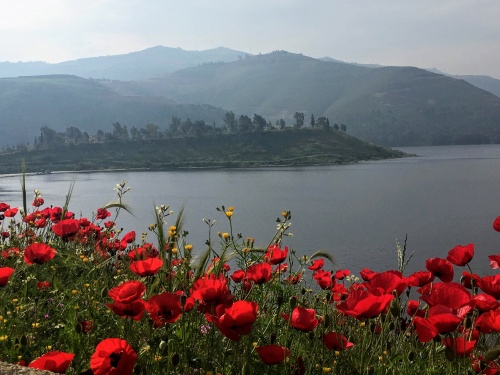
<point x="386" y="105"/>
<point x="261" y="149"/>
<point x="28" y="103"/>
<point x="151" y="62"/>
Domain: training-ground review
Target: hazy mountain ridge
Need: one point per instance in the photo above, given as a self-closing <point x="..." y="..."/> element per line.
<point x="151" y="62"/>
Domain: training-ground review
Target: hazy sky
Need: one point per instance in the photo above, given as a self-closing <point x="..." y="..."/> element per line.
<point x="455" y="36"/>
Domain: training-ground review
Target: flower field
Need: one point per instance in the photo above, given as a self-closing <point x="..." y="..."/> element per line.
<point x="81" y="295"/>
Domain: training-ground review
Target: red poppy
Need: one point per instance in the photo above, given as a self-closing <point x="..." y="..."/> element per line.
<point x="490" y="285"/>
<point x="451" y="295"/>
<point x="366" y="274"/>
<point x="146" y="267"/>
<point x="461" y="255"/>
<point x="494" y="261"/>
<point x="336" y="341"/>
<point x="127" y="291"/>
<point x="113" y="356"/>
<point x="484" y="302"/>
<point x="146" y="251"/>
<point x="489" y="321"/>
<point x="164" y="308"/>
<point x="413" y="309"/>
<point x="10" y="252"/>
<point x="323" y="278"/>
<point x="86" y="326"/>
<point x="4" y="207"/>
<point x="38" y="253"/>
<point x="469" y="280"/>
<point x="339" y="292"/>
<point x="43" y="285"/>
<point x="460" y="346"/>
<point x="129" y="237"/>
<point x="259" y="273"/>
<point x="496" y="224"/>
<point x="387" y="282"/>
<point x="211" y="290"/>
<point x="317" y="264"/>
<point x="238" y="276"/>
<point x="302" y="319"/>
<point x="66" y="228"/>
<point x="294" y="279"/>
<point x="428" y="328"/>
<point x="102" y="214"/>
<point x="272" y="354"/>
<point x="420" y="278"/>
<point x="37" y="202"/>
<point x="5" y="274"/>
<point x="364" y="304"/>
<point x="480" y="366"/>
<point x="275" y="255"/>
<point x="341" y="274"/>
<point x="235" y="321"/>
<point x="54" y="361"/>
<point x="133" y="310"/>
<point x="11" y="212"/>
<point x="441" y="268"/>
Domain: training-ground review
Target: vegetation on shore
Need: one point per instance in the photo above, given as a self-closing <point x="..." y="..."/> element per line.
<point x="289" y="147"/>
<point x="80" y="296"/>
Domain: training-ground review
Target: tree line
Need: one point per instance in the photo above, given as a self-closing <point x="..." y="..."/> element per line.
<point x="232" y="124"/>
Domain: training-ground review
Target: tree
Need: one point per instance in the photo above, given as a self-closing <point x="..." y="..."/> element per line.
<point x="47" y="135"/>
<point x="244" y="124"/>
<point x="175" y="124"/>
<point x="120" y="133"/>
<point x="336" y="126"/>
<point x="343" y="127"/>
<point x="313" y="123"/>
<point x="281" y="124"/>
<point x="321" y="122"/>
<point x="231" y="123"/>
<point x="259" y="123"/>
<point x="299" y="120"/>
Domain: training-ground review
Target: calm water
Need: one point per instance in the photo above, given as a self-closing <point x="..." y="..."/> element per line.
<point x="445" y="197"/>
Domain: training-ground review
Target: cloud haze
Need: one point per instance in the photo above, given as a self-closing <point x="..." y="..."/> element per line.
<point x="456" y="36"/>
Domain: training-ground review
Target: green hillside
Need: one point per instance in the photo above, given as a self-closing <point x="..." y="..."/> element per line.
<point x="388" y="105"/>
<point x="298" y="147"/>
<point x="28" y="103"/>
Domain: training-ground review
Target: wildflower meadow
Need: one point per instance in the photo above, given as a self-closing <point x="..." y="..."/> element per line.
<point x="79" y="295"/>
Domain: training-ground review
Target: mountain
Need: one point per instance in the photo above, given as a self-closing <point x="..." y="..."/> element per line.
<point x="386" y="105"/>
<point x="151" y="62"/>
<point x="61" y="101"/>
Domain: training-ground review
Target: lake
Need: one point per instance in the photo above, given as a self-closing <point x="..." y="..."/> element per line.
<point x="446" y="196"/>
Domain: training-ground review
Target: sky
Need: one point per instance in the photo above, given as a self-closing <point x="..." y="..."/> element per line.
<point x="454" y="36"/>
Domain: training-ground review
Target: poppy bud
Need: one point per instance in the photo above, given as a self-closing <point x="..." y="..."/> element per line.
<point x="395" y="308"/>
<point x="78" y="328"/>
<point x="273" y="338"/>
<point x="293" y="302"/>
<point x="163" y="345"/>
<point x="24" y="340"/>
<point x="183" y="300"/>
<point x="311" y="335"/>
<point x="175" y="359"/>
<point x="327" y="320"/>
<point x="279" y="300"/>
<point x="104" y="292"/>
<point x="411" y="356"/>
<point x="491" y="355"/>
<point x="437" y="338"/>
<point x="391" y="327"/>
<point x="303" y="291"/>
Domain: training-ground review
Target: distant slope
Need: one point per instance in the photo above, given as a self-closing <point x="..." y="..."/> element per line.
<point x="28" y="103"/>
<point x="272" y="148"/>
<point x="388" y="105"/>
<point x="151" y="62"/>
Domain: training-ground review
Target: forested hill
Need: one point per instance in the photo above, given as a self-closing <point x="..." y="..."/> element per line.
<point x="289" y="147"/>
<point x="386" y="105"/>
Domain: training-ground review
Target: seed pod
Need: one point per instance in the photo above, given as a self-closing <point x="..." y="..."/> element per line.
<point x="293" y="301"/>
<point x="175" y="359"/>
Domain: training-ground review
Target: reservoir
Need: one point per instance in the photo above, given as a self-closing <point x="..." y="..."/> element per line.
<point x="446" y="196"/>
